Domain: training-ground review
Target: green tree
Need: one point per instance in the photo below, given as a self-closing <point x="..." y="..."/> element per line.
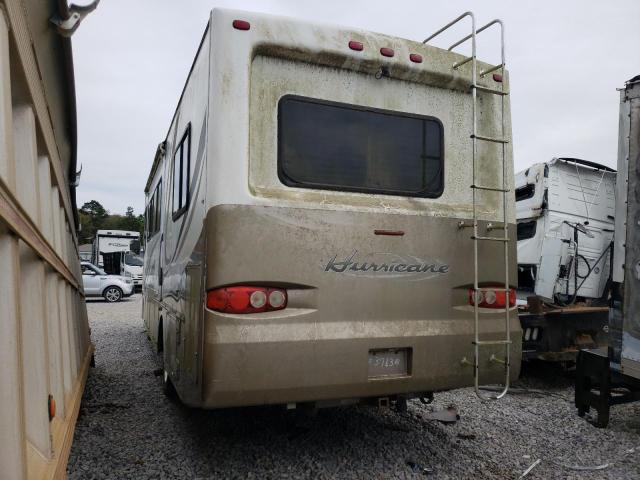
<point x="87" y="232"/>
<point x="96" y="211"/>
<point x="92" y="216"/>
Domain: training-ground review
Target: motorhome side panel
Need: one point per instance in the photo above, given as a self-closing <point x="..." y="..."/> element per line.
<point x="175" y="251"/>
<point x="151" y="280"/>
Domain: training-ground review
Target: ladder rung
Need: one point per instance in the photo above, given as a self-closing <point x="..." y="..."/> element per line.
<point x="461" y="62"/>
<point x="490" y="139"/>
<point x="491" y="239"/>
<point x="491" y="189"/>
<point x="492" y="69"/>
<point x="489" y="90"/>
<point x="491" y="226"/>
<point x="492" y="342"/>
<point x="493" y="289"/>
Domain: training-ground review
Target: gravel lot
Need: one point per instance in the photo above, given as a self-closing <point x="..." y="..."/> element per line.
<point x="128" y="429"/>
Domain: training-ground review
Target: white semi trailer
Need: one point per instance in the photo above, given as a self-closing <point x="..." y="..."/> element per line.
<point x="565" y="214"/>
<point x="605" y="378"/>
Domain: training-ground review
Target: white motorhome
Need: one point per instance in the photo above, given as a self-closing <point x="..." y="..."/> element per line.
<point x="330" y="218"/>
<point x="117" y="251"/>
<point x="565" y="214"/>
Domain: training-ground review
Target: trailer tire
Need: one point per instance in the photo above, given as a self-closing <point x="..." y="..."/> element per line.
<point x="112" y="294"/>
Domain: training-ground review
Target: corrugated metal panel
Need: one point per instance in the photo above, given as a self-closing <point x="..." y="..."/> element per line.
<point x="45" y="347"/>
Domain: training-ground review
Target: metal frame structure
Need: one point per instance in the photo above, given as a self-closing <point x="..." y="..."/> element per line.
<point x="475" y="137"/>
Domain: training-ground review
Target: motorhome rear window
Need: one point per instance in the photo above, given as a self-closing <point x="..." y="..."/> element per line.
<point x="526" y="192"/>
<point x="335" y="146"/>
<point x="527" y="229"/>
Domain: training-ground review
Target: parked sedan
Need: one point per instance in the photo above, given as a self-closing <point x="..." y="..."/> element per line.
<point x="98" y="284"/>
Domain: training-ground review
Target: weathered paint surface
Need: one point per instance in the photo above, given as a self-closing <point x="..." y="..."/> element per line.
<point x="243" y="226"/>
<point x="45" y="346"/>
<point x="630" y="102"/>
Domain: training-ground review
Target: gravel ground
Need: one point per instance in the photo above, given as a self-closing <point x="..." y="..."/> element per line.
<point x="128" y="429"/>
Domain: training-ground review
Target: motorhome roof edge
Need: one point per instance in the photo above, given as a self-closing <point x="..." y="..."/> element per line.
<point x="452" y="79"/>
<point x="161" y="145"/>
<point x="582" y="163"/>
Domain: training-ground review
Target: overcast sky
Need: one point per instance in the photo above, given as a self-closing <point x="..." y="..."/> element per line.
<point x="566" y="59"/>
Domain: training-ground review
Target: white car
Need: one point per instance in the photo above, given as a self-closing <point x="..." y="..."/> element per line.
<point x="97" y="283"/>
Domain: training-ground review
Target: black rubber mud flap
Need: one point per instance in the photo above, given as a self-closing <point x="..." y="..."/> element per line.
<point x="593" y="385"/>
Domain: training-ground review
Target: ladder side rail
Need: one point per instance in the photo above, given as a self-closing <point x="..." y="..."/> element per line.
<point x="452" y="23"/>
<point x="480" y="30"/>
<point x="505" y="198"/>
<point x="474" y="154"/>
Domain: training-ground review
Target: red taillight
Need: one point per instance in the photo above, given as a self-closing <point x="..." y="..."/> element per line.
<point x="415" y="58"/>
<point x="497" y="77"/>
<point x="386" y="52"/>
<point x="492" y="297"/>
<point x="246" y="299"/>
<point x="241" y="25"/>
<point x="357" y="46"/>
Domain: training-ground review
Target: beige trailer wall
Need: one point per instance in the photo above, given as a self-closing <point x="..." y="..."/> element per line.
<point x="45" y="348"/>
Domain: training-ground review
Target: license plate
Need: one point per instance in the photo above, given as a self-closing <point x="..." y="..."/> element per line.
<point x="390" y="362"/>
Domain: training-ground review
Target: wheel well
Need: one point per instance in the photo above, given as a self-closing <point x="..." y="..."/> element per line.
<point x="160" y="344"/>
<point x="111" y="286"/>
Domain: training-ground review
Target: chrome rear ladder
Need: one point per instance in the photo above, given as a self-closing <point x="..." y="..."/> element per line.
<point x="504" y="190"/>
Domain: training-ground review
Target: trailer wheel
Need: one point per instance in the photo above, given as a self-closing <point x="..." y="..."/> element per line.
<point x="113" y="294"/>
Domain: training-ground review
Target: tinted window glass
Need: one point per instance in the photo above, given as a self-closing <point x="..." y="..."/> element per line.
<point x="184" y="189"/>
<point x="150" y="216"/>
<point x="152" y="225"/>
<point x="527" y="229"/>
<point x="344" y="147"/>
<point x="523" y="193"/>
<point x="158" y="207"/>
<point x="133" y="260"/>
<point x="177" y="162"/>
<point x="181" y="174"/>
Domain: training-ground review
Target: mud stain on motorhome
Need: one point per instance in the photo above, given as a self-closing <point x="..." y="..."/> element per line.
<point x="272" y="78"/>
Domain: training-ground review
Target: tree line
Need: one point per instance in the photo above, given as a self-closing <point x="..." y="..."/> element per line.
<point x="93" y="217"/>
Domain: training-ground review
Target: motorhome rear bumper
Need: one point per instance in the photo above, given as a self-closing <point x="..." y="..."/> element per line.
<point x="252" y="365"/>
